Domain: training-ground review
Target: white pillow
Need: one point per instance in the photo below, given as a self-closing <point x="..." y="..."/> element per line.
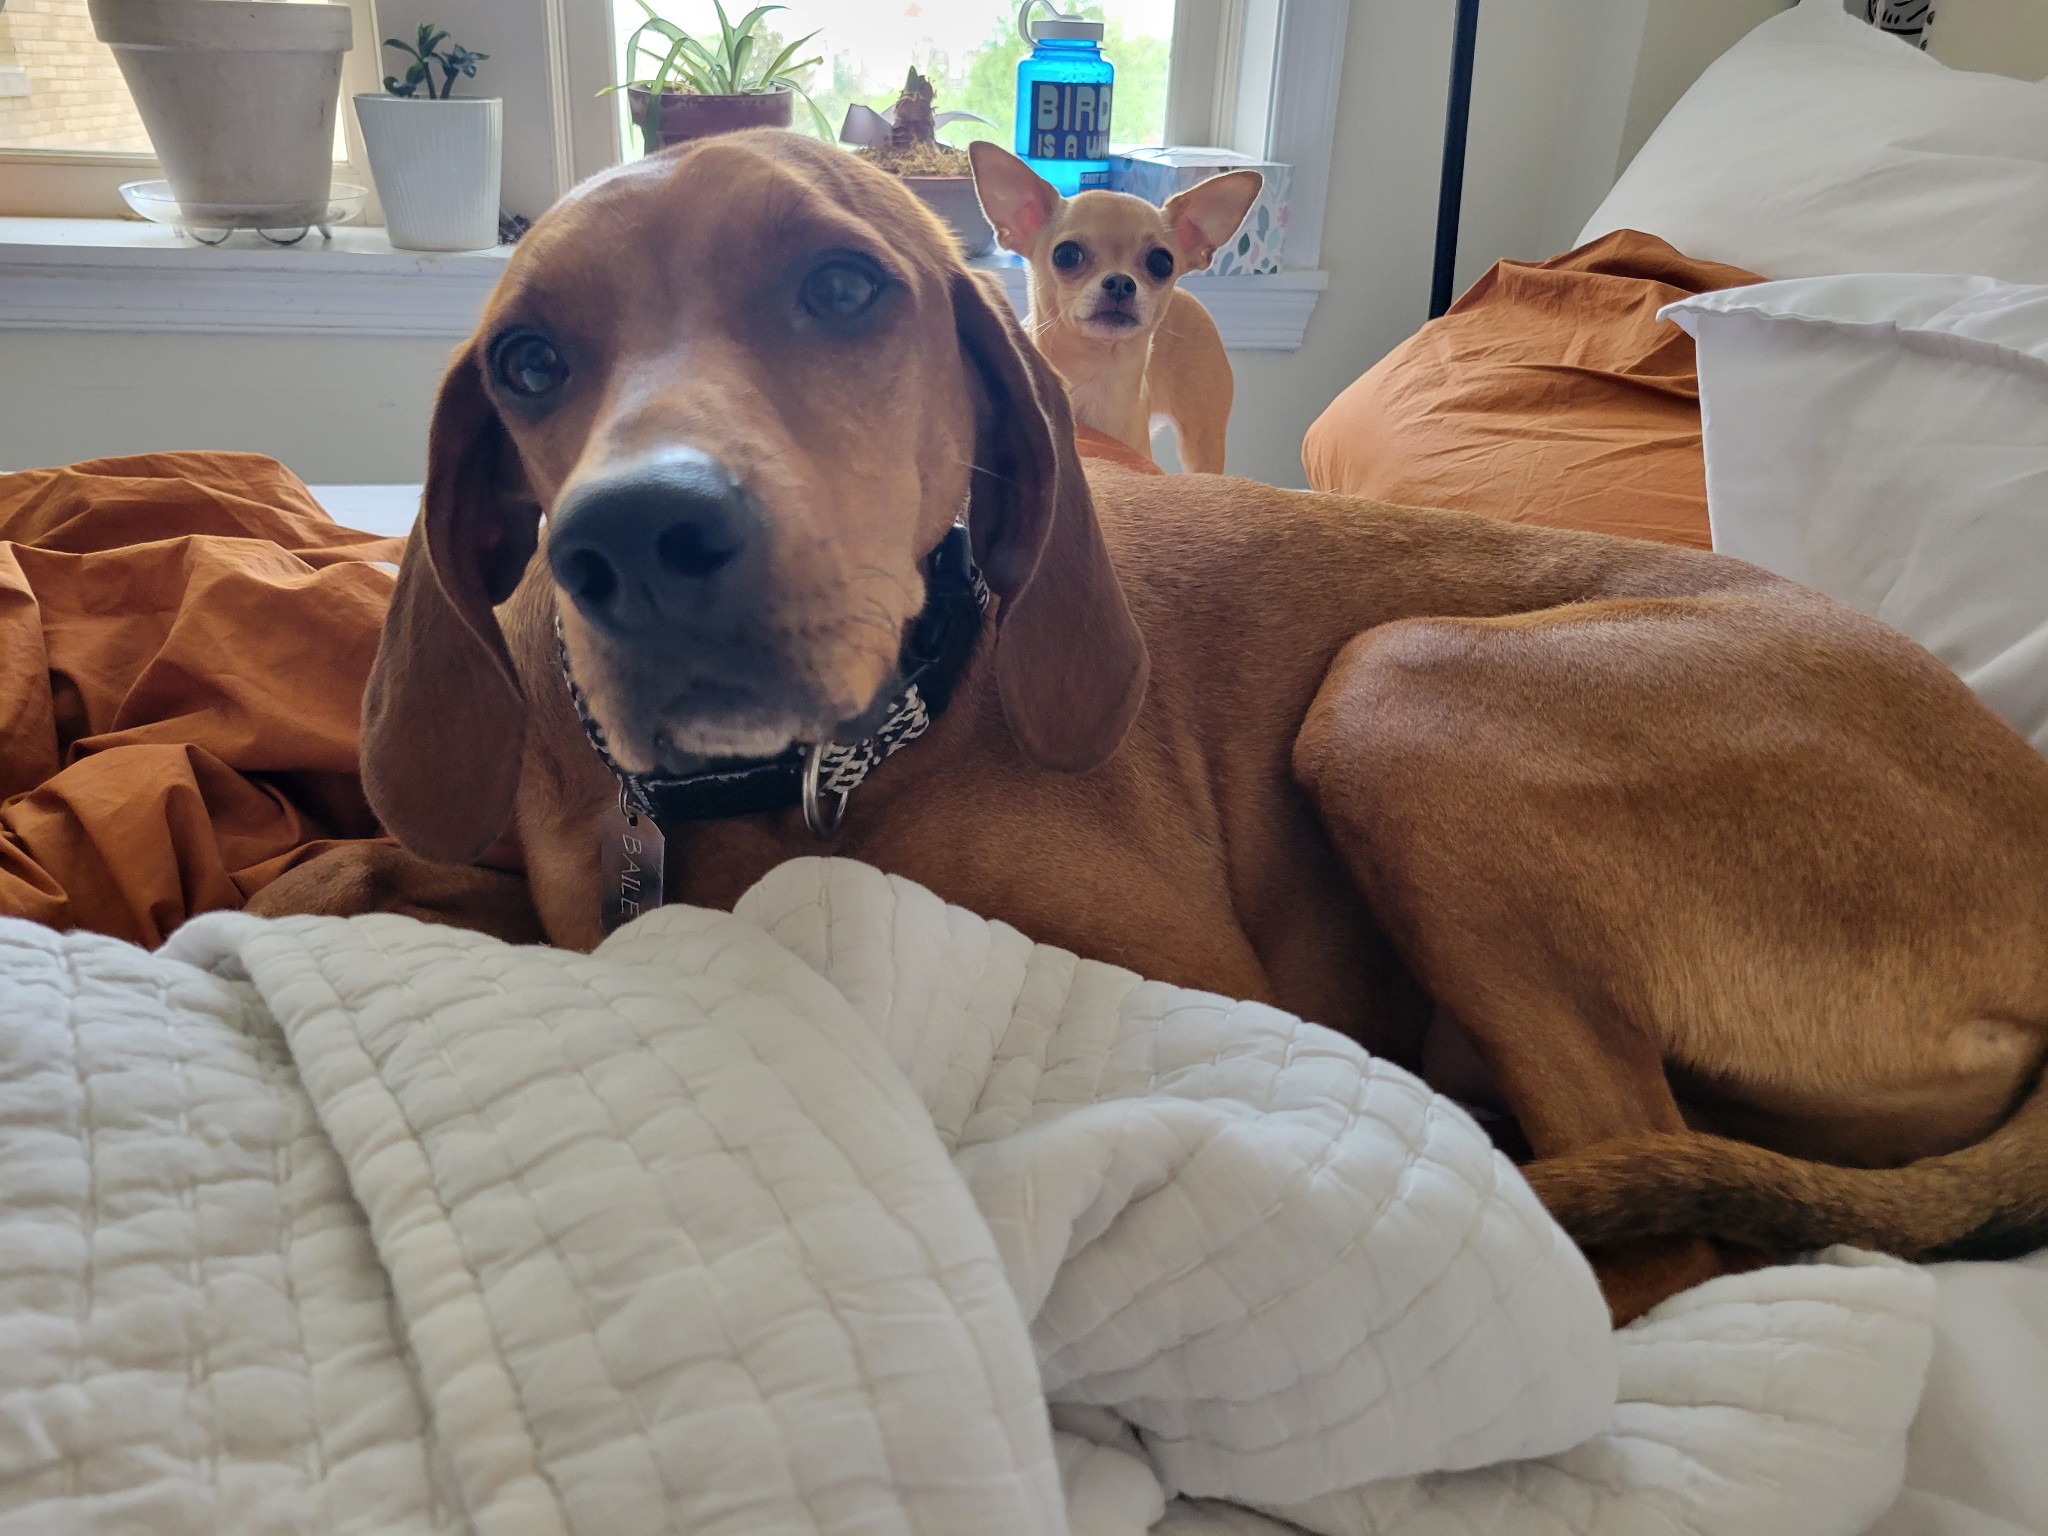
<point x="1885" y="439"/>
<point x="1819" y="145"/>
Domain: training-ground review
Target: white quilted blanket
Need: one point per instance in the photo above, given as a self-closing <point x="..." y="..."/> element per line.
<point x="797" y="1220"/>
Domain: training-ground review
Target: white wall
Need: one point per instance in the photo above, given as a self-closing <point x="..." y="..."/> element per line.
<point x="1559" y="86"/>
<point x="2005" y="37"/>
<point x="335" y="410"/>
<point x="1378" y="233"/>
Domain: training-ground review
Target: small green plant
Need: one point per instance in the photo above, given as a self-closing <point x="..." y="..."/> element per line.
<point x="455" y="63"/>
<point x="738" y="65"/>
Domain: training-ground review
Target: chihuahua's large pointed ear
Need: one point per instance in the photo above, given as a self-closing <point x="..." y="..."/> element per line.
<point x="1205" y="216"/>
<point x="1070" y="662"/>
<point x="1018" y="201"/>
<point x="443" y="719"/>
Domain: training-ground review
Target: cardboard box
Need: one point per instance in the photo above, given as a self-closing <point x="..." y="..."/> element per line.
<point x="1157" y="174"/>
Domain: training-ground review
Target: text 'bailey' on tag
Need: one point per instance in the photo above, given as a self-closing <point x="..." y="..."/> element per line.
<point x="630" y="864"/>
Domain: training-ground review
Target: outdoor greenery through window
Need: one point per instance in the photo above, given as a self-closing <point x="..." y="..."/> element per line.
<point x="968" y="48"/>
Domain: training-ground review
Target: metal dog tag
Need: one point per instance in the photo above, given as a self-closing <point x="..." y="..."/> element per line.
<point x="630" y="864"/>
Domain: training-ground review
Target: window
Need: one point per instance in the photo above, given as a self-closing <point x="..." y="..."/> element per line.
<point x="1260" y="76"/>
<point x="65" y="91"/>
<point x="1257" y="75"/>
<point x="968" y="48"/>
<point x="69" y="132"/>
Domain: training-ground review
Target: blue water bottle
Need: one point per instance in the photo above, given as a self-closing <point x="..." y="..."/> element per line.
<point x="1063" y="98"/>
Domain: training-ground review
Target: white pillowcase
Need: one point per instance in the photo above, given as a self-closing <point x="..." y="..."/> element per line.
<point x="1885" y="439"/>
<point x="1819" y="145"/>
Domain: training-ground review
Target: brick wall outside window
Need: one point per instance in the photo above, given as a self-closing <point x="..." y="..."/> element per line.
<point x="76" y="98"/>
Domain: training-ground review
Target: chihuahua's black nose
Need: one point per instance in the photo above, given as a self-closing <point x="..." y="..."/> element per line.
<point x="675" y="540"/>
<point x="1120" y="285"/>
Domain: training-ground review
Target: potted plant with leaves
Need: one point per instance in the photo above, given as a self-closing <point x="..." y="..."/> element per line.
<point x="238" y="99"/>
<point x="436" y="156"/>
<point x="688" y="88"/>
<point x="904" y="142"/>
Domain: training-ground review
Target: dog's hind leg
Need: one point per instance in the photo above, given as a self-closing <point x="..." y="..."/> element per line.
<point x="1775" y="848"/>
<point x="1574" y="1072"/>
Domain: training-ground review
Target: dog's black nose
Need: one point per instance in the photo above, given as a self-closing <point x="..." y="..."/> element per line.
<point x="671" y="541"/>
<point x="1120" y="285"/>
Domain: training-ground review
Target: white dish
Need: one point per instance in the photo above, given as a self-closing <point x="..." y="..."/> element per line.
<point x="155" y="201"/>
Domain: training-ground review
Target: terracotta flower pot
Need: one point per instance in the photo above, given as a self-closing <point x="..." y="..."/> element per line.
<point x="686" y="116"/>
<point x="239" y="99"/>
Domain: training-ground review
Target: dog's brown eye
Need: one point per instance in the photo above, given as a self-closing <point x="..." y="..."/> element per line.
<point x="1159" y="262"/>
<point x="528" y="364"/>
<point x="840" y="290"/>
<point x="1068" y="255"/>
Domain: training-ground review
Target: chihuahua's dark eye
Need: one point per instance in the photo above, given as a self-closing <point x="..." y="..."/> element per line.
<point x="1068" y="255"/>
<point x="841" y="289"/>
<point x="1159" y="262"/>
<point x="527" y="363"/>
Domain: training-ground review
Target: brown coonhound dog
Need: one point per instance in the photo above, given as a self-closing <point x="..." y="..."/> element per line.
<point x="1735" y="900"/>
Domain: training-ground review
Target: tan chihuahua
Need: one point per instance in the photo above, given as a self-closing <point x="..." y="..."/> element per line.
<point x="1105" y="308"/>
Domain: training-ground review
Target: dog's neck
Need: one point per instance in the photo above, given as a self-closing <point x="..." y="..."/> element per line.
<point x="937" y="646"/>
<point x="1105" y="379"/>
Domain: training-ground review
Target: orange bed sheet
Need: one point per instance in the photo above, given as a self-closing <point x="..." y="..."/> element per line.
<point x="1550" y="393"/>
<point x="183" y="644"/>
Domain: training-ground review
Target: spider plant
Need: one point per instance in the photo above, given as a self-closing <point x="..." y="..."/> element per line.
<point x="737" y="65"/>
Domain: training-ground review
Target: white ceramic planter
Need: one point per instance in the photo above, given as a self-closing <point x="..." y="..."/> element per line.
<point x="437" y="165"/>
<point x="239" y="98"/>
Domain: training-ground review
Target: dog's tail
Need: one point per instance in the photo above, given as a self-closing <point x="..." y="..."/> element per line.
<point x="1988" y="1200"/>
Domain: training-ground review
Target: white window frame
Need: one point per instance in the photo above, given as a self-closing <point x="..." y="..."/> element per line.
<point x="1260" y="76"/>
<point x="86" y="184"/>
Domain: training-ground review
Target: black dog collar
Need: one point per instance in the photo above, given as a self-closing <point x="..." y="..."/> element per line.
<point x="820" y="776"/>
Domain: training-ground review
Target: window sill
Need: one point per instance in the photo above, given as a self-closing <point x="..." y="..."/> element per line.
<point x="122" y="275"/>
<point x="117" y="275"/>
<point x="1254" y="314"/>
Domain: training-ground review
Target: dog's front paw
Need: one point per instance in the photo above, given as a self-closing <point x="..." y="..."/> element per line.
<point x="358" y="878"/>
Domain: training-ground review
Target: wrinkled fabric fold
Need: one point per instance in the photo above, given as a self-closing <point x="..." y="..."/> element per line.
<point x="846" y="1213"/>
<point x="1550" y="394"/>
<point x="184" y="639"/>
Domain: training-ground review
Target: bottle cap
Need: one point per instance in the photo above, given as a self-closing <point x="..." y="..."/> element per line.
<point x="1056" y="27"/>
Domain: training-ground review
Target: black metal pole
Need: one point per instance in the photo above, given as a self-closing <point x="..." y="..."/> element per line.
<point x="1457" y="117"/>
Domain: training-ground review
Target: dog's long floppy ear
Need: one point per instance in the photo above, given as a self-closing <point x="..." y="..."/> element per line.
<point x="443" y="719"/>
<point x="1070" y="662"/>
<point x="1018" y="201"/>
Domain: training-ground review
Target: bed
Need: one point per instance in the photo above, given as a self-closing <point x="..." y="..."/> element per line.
<point x="1884" y="438"/>
<point x="847" y="1210"/>
<point x="844" y="1211"/>
<point x="1552" y="392"/>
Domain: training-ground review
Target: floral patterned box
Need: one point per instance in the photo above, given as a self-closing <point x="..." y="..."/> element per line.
<point x="1157" y="174"/>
